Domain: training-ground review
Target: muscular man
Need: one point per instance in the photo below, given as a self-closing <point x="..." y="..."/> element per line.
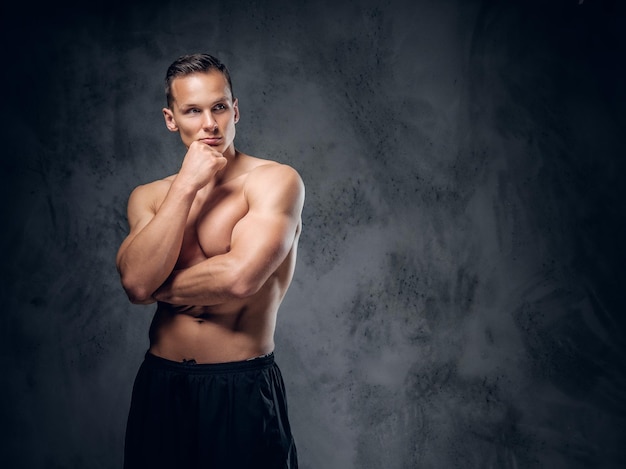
<point x="215" y="247"/>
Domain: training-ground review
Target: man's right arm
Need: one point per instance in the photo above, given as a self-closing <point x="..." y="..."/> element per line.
<point x="157" y="225"/>
<point x="157" y="216"/>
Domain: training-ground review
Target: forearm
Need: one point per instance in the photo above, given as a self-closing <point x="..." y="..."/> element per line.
<point x="211" y="282"/>
<point x="151" y="255"/>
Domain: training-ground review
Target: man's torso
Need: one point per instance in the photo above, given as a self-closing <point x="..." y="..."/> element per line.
<point x="238" y="329"/>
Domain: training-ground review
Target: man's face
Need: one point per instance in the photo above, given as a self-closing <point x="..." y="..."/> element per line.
<point x="203" y="109"/>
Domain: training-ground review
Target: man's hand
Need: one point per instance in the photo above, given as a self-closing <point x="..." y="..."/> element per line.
<point x="202" y="162"/>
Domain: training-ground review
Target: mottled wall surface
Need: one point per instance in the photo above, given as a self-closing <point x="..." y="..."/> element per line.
<point x="458" y="300"/>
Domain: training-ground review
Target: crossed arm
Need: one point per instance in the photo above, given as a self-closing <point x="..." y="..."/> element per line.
<point x="260" y="242"/>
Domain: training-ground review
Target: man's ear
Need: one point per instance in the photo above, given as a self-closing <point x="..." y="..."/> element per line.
<point x="170" y="122"/>
<point x="236" y="108"/>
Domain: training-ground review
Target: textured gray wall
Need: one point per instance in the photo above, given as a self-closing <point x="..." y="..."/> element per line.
<point x="458" y="300"/>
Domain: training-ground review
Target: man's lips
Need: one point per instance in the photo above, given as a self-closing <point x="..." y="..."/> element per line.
<point x="211" y="140"/>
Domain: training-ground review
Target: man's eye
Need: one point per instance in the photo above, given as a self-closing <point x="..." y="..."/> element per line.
<point x="219" y="107"/>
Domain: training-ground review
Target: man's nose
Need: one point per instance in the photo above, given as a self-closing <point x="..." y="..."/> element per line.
<point x="208" y="121"/>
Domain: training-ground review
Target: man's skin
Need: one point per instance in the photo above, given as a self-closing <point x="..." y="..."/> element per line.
<point x="215" y="244"/>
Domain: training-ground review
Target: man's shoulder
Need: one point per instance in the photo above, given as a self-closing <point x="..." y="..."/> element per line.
<point x="269" y="172"/>
<point x="275" y="184"/>
<point x="152" y="190"/>
<point x="156" y="185"/>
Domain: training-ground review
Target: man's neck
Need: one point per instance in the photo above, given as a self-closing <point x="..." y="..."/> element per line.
<point x="232" y="168"/>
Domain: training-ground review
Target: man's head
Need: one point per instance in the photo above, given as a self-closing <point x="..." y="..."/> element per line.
<point x="194" y="63"/>
<point x="200" y="101"/>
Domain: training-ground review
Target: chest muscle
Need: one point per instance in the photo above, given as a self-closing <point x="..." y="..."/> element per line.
<point x="210" y="226"/>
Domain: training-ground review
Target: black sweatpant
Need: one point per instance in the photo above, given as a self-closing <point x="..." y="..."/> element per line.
<point x="212" y="416"/>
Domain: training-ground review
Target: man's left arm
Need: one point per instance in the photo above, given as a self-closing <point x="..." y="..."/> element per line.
<point x="260" y="242"/>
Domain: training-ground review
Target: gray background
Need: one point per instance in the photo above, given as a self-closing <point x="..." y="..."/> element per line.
<point x="459" y="296"/>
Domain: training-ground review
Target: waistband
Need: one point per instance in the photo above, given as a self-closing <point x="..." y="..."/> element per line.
<point x="258" y="363"/>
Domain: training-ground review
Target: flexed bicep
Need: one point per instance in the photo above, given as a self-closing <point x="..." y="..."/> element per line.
<point x="262" y="239"/>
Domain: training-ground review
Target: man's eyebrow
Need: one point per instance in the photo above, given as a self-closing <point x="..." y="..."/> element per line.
<point x="213" y="103"/>
<point x="222" y="99"/>
<point x="185" y="106"/>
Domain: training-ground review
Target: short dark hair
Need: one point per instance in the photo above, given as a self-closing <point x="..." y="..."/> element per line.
<point x="193" y="63"/>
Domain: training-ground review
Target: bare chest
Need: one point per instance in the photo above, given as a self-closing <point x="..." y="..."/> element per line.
<point x="210" y="224"/>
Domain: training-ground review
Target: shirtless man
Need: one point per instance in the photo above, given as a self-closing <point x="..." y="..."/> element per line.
<point x="215" y="247"/>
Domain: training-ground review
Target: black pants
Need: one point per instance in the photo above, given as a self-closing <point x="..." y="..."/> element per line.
<point x="216" y="416"/>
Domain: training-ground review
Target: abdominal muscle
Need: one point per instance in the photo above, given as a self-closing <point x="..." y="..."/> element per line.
<point x="215" y="334"/>
<point x="233" y="331"/>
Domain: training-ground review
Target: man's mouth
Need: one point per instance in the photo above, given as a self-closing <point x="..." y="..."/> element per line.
<point x="211" y="140"/>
